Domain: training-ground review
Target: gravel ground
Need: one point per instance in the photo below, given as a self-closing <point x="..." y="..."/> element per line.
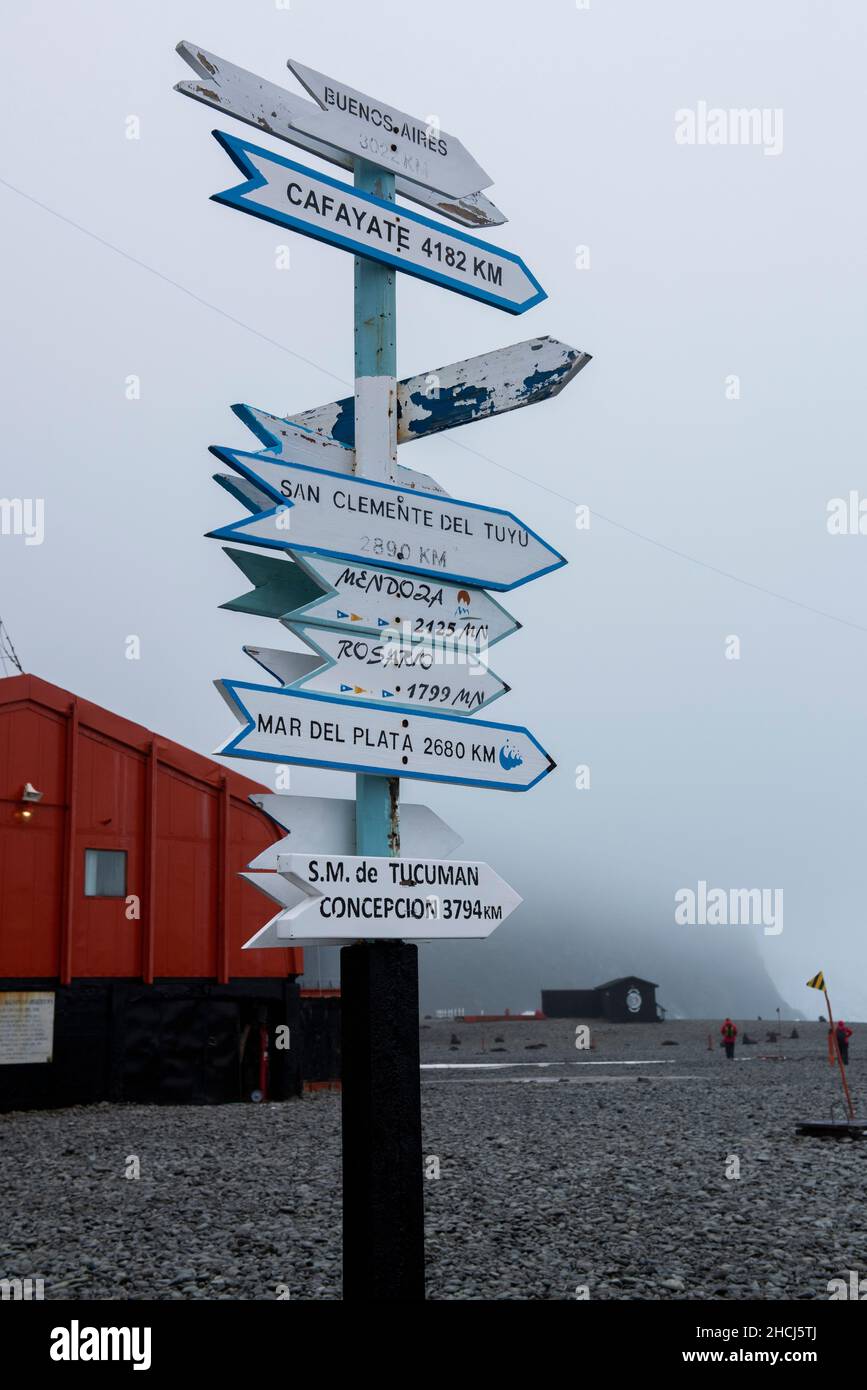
<point x="584" y="1171"/>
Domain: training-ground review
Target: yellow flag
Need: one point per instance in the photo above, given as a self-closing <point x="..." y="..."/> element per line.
<point x="817" y="982"/>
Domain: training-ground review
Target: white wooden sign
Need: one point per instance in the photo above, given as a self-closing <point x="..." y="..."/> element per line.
<point x="360" y="599"/>
<point x="252" y="99"/>
<point x="441" y="398"/>
<point x="302" y="444"/>
<point x="387" y="669"/>
<point x="294" y="726"/>
<point x="381" y="134"/>
<point x="368" y="522"/>
<point x="327" y="824"/>
<point x="363" y="897"/>
<point x="289" y="194"/>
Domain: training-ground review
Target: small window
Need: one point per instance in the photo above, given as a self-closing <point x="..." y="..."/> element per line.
<point x="105" y="873"/>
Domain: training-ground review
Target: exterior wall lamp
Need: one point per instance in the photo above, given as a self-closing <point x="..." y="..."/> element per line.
<point x="29" y="798"/>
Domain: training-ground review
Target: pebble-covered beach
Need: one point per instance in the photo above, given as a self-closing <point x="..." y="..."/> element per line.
<point x="647" y="1167"/>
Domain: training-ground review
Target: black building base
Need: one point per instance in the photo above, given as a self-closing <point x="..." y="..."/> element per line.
<point x="320" y="1039"/>
<point x="176" y="1042"/>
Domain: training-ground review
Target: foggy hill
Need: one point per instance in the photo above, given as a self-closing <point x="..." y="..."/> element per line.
<point x="701" y="973"/>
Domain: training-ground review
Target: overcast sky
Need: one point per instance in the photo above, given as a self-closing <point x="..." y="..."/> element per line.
<point x="706" y="262"/>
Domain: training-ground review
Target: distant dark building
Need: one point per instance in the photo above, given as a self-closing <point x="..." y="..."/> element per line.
<point x="571" y="1003"/>
<point x="626" y="1000"/>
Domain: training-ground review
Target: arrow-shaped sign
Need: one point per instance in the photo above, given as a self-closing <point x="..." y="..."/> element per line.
<point x="288" y="667"/>
<point x="270" y="108"/>
<point x="294" y="726"/>
<point x="289" y="194"/>
<point x="326" y="824"/>
<point x="386" y="669"/>
<point x="352" y="597"/>
<point x="358" y="519"/>
<point x="245" y="492"/>
<point x="303" y="444"/>
<point x="491" y="384"/>
<point x="281" y="586"/>
<point x="352" y="897"/>
<point x="441" y="399"/>
<point x="278" y="887"/>
<point x="379" y="134"/>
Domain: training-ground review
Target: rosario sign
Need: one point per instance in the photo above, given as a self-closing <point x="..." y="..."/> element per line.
<point x="390" y="669"/>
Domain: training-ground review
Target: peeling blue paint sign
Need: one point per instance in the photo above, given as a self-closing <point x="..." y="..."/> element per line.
<point x="506" y="379"/>
<point x="289" y="194"/>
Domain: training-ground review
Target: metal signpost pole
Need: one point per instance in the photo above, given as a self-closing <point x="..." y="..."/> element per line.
<point x="383" y="1209"/>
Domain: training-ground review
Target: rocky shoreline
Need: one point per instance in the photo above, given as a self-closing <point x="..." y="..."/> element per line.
<point x="645" y="1167"/>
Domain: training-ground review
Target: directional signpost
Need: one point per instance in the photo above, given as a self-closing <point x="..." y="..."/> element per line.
<point x="383" y="577"/>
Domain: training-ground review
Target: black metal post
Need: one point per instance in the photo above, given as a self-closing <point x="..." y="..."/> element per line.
<point x="383" y="1202"/>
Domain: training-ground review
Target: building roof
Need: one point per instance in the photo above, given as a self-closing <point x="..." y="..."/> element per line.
<point x="26" y="689"/>
<point x="627" y="979"/>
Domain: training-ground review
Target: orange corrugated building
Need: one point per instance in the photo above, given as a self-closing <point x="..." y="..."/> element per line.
<point x="120" y="895"/>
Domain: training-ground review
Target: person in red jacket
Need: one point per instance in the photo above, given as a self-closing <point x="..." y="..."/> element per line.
<point x="729" y="1033"/>
<point x="843" y="1036"/>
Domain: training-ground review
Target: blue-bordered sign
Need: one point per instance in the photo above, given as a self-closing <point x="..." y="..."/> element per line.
<point x="293" y="726"/>
<point x="362" y="598"/>
<point x="355" y="518"/>
<point x="389" y="668"/>
<point x="282" y="191"/>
